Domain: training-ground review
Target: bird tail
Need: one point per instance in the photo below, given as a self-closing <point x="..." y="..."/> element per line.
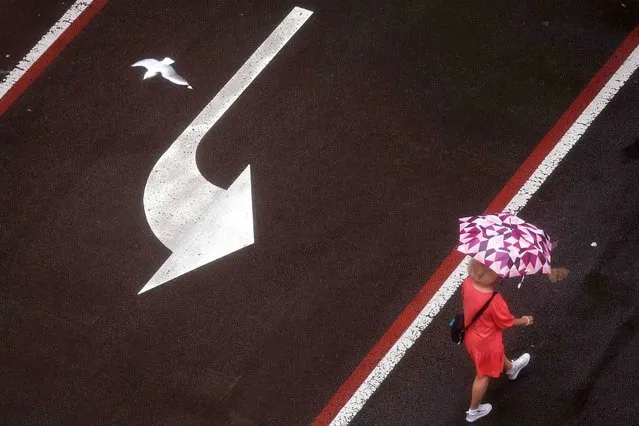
<point x="167" y="61"/>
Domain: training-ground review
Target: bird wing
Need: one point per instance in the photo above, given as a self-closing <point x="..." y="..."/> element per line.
<point x="170" y="74"/>
<point x="147" y="63"/>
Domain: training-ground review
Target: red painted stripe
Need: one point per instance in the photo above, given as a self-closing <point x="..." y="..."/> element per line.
<point x="403" y="321"/>
<point x="565" y="122"/>
<point x="50" y="54"/>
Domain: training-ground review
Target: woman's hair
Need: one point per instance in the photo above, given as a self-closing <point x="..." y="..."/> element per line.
<point x="481" y="273"/>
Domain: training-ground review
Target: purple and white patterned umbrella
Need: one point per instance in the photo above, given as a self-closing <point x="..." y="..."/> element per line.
<point x="506" y="244"/>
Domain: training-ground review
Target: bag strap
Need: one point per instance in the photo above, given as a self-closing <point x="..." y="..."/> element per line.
<point x="481" y="311"/>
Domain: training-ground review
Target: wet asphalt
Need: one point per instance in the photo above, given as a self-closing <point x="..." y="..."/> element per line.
<point x="368" y="135"/>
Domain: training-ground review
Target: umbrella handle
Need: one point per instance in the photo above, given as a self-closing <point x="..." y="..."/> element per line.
<point x="522" y="280"/>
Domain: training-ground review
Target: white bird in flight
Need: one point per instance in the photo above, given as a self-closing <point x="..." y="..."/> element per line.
<point x="163" y="67"/>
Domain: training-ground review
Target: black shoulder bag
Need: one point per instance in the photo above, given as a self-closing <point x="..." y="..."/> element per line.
<point x="457" y="329"/>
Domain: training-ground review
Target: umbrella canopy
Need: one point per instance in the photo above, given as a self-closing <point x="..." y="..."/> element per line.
<point x="506" y="244"/>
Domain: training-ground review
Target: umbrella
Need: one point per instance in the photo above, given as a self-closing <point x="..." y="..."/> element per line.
<point x="506" y="244"/>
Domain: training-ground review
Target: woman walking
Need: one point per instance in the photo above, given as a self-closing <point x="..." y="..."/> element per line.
<point x="483" y="339"/>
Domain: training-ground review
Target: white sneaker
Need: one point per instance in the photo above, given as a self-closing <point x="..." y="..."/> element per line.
<point x="481" y="411"/>
<point x="518" y="365"/>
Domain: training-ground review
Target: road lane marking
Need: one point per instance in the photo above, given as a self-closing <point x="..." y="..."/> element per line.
<point x="198" y="221"/>
<point x="406" y="329"/>
<point x="46" y="50"/>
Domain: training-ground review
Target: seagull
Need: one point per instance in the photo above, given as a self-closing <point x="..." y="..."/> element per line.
<point x="155" y="67"/>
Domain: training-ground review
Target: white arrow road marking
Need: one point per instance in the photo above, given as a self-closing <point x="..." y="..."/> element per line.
<point x="195" y="219"/>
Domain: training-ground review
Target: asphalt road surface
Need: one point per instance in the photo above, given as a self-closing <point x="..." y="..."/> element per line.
<point x="368" y="135"/>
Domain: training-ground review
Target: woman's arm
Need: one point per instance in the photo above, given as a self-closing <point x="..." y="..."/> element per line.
<point x="526" y="320"/>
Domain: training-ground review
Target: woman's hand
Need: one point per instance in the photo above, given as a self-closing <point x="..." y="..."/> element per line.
<point x="526" y="320"/>
<point x="558" y="274"/>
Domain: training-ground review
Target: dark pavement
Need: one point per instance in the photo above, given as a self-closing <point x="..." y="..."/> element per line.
<point x="368" y="135"/>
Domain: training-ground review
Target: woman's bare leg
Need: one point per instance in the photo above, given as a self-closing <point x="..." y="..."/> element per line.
<point x="479" y="390"/>
<point x="507" y="364"/>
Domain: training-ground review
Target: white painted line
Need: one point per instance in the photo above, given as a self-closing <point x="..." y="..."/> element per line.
<point x="43" y="45"/>
<point x="552" y="160"/>
<point x="198" y="221"/>
<point x="452" y="283"/>
<point x="395" y="354"/>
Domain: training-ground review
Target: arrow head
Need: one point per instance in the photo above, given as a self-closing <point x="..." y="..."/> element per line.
<point x="225" y="227"/>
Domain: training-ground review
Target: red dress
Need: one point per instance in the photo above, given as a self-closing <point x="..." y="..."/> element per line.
<point x="483" y="339"/>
